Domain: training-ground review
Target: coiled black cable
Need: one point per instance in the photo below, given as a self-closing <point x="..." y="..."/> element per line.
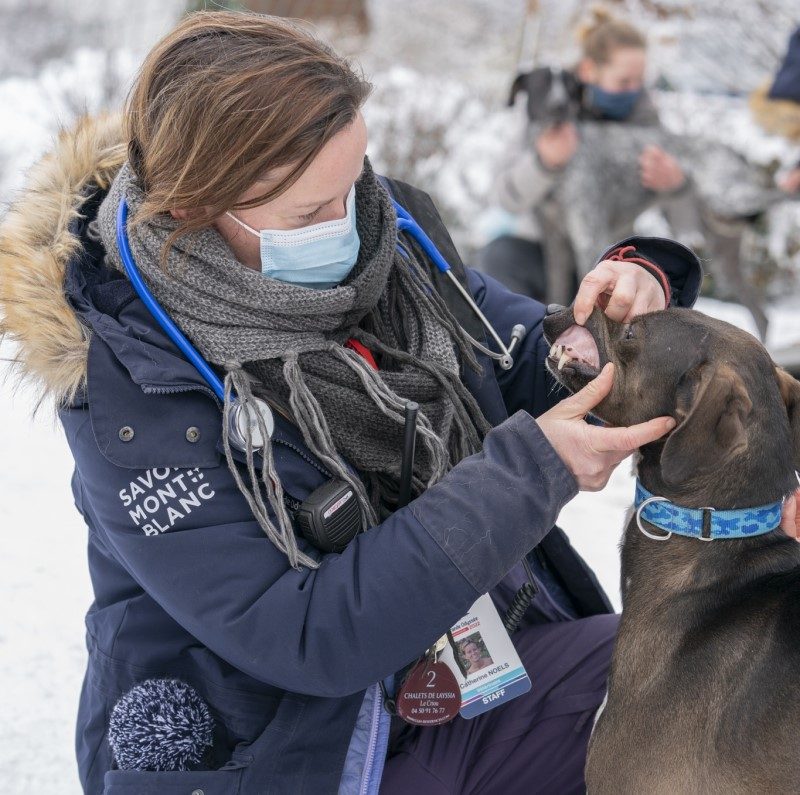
<point x="521" y="601"/>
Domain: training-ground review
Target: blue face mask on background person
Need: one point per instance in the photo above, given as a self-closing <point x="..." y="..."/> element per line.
<point x="319" y="256"/>
<point x="617" y="105"/>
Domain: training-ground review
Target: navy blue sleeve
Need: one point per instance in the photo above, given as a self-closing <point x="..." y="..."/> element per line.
<point x="361" y="615"/>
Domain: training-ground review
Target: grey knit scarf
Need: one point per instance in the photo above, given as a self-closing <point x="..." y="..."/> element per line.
<point x="285" y="343"/>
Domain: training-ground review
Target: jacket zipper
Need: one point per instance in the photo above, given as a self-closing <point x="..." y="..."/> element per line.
<point x="369" y="760"/>
<point x="555" y="605"/>
<point x="544" y="592"/>
<point x="305" y="457"/>
<point x="149" y="389"/>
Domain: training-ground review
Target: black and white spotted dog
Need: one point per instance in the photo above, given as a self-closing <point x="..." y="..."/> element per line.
<point x="600" y="192"/>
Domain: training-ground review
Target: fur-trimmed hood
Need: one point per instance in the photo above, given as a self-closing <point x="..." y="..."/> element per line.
<point x="35" y="246"/>
<point x="776" y="116"/>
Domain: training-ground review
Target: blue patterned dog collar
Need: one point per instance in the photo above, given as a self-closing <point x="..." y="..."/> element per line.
<point x="706" y="524"/>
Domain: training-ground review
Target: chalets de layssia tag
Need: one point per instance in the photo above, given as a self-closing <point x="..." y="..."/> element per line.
<point x="429" y="694"/>
<point x="484" y="660"/>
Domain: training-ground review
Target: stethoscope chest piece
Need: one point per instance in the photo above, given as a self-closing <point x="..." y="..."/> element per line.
<point x="242" y="416"/>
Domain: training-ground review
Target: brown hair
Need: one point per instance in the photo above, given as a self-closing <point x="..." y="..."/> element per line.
<point x="604" y="34"/>
<point x="221" y="101"/>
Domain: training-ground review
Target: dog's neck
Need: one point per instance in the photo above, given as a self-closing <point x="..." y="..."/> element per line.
<point x="657" y="576"/>
<point x="753" y="478"/>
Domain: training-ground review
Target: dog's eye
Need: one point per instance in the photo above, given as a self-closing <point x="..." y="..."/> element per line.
<point x="628" y="332"/>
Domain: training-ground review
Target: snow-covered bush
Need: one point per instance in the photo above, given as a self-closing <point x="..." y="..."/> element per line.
<point x="440" y="136"/>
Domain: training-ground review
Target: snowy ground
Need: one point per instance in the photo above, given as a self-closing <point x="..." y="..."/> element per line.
<point x="45" y="589"/>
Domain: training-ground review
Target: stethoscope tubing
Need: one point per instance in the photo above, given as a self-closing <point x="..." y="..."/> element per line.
<point x="157" y="311"/>
<point x="406" y="223"/>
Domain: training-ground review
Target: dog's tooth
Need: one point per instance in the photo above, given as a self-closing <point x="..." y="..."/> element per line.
<point x="553" y="350"/>
<point x="563" y="359"/>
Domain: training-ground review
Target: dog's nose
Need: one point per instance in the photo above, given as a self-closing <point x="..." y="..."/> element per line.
<point x="553" y="309"/>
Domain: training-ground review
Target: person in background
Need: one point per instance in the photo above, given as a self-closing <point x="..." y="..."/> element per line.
<point x="612" y="70"/>
<point x="776" y="107"/>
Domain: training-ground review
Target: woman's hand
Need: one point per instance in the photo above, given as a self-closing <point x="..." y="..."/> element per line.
<point x="592" y="453"/>
<point x="622" y="289"/>
<point x="790" y="516"/>
<point x="557" y="145"/>
<point x="790" y="183"/>
<point x="659" y="171"/>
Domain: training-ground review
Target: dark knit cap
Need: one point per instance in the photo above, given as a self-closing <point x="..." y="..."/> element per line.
<point x="787" y="82"/>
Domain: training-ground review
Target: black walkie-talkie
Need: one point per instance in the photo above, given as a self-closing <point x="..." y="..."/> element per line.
<point x="330" y="517"/>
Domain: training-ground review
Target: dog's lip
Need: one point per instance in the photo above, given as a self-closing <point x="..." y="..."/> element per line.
<point x="574" y="367"/>
<point x="581" y="368"/>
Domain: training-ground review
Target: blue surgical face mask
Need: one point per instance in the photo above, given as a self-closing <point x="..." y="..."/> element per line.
<point x="617" y="105"/>
<point x="318" y="256"/>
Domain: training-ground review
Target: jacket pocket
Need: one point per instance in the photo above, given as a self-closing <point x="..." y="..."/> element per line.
<point x="193" y="782"/>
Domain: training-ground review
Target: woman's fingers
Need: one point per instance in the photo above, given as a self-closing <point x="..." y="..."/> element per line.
<point x="598" y="281"/>
<point x="624" y="294"/>
<point x="641" y="306"/>
<point x="649" y="297"/>
<point x="591" y="453"/>
<point x="566" y="430"/>
<point x="626" y="440"/>
<point x="623" y="290"/>
<point x="612" y="446"/>
<point x="577" y="406"/>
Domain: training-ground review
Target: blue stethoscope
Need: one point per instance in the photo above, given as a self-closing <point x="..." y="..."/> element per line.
<point x="241" y="415"/>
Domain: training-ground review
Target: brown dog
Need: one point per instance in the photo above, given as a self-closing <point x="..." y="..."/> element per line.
<point x="702" y="694"/>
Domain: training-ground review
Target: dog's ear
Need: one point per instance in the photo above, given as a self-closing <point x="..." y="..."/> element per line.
<point x="714" y="403"/>
<point x="790" y="393"/>
<point x="516" y="87"/>
<point x="536" y="85"/>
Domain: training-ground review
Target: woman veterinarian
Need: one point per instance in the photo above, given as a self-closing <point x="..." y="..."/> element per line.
<point x="258" y="225"/>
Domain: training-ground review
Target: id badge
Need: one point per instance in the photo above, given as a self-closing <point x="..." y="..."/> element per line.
<point x="486" y="665"/>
